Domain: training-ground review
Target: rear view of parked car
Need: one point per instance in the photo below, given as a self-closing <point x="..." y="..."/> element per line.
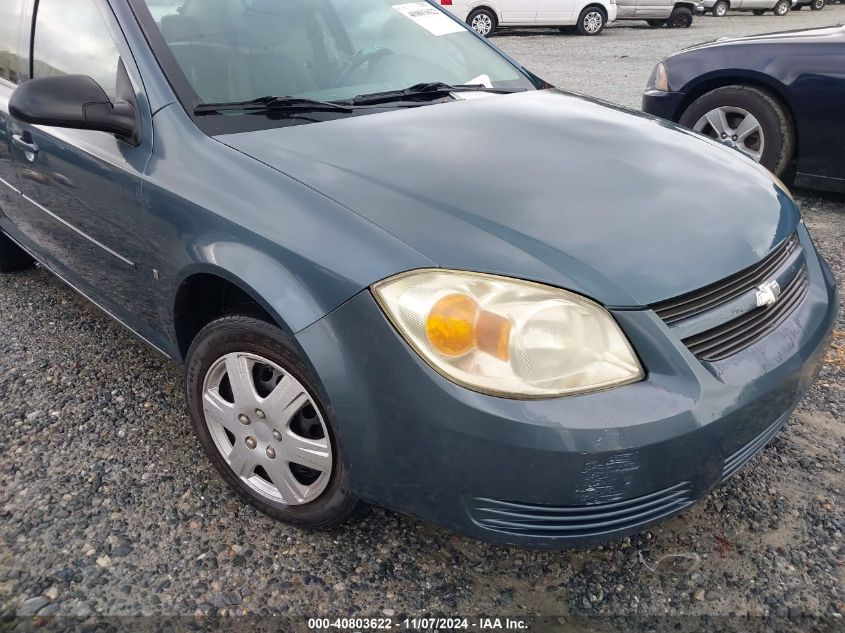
<point x="588" y="17"/>
<point x="720" y="8"/>
<point x="677" y="14"/>
<point x="776" y="98"/>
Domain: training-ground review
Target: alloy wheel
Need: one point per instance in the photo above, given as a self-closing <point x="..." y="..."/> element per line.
<point x="482" y="24"/>
<point x="782" y="8"/>
<point x="593" y="22"/>
<point x="736" y="127"/>
<point x="722" y="10"/>
<point x="268" y="428"/>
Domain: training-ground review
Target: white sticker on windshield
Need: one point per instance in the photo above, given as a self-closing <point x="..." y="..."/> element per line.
<point x="432" y="20"/>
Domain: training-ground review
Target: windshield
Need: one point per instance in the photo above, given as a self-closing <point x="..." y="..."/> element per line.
<point x="238" y="50"/>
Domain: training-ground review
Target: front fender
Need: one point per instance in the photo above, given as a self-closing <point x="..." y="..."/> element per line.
<point x="693" y="85"/>
<point x="284" y="296"/>
<point x="298" y="253"/>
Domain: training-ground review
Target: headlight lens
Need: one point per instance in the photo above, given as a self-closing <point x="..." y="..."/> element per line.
<point x="661" y="78"/>
<point x="508" y="337"/>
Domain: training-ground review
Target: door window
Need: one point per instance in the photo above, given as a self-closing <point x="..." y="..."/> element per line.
<point x="71" y="38"/>
<point x="11" y="12"/>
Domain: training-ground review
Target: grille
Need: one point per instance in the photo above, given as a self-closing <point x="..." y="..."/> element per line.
<point x="742" y="332"/>
<point x="698" y="301"/>
<point x="744" y="455"/>
<point x="730" y="337"/>
<point x="578" y="521"/>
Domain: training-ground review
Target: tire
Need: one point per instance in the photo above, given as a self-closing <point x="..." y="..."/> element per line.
<point x="483" y="22"/>
<point x="817" y="5"/>
<point x="681" y="18"/>
<point x="656" y="23"/>
<point x="244" y="342"/>
<point x="12" y="258"/>
<point x="758" y="11"/>
<point x="720" y="9"/>
<point x="774" y="122"/>
<point x="592" y="21"/>
<point x="782" y="8"/>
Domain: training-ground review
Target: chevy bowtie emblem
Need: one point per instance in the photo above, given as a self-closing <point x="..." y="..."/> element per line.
<point x="767" y="294"/>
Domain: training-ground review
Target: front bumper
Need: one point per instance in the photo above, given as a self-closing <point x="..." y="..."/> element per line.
<point x="563" y="472"/>
<point x="662" y="104"/>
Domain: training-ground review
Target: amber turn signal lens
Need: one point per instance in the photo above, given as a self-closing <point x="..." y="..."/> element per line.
<point x="450" y="326"/>
<point x="456" y="325"/>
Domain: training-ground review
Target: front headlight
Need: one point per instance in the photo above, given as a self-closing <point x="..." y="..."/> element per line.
<point x="661" y="78"/>
<point x="508" y="337"/>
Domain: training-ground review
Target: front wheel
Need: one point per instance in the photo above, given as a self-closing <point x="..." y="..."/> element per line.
<point x="591" y="21"/>
<point x="747" y="119"/>
<point x="782" y="8"/>
<point x="681" y="18"/>
<point x="720" y="9"/>
<point x="483" y="22"/>
<point x="258" y="415"/>
<point x="817" y="5"/>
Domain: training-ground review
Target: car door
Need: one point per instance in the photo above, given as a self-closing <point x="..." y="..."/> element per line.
<point x="12" y="19"/>
<point x="626" y="8"/>
<point x="518" y="11"/>
<point x="555" y="11"/>
<point x="83" y="188"/>
<point x="653" y="8"/>
<point x="819" y="95"/>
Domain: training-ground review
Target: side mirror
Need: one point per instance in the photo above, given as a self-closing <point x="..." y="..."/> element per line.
<point x="74" y="101"/>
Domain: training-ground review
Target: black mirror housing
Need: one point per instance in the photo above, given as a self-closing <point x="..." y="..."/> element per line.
<point x="76" y="102"/>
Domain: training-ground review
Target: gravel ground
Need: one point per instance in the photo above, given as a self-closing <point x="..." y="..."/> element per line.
<point x="109" y="508"/>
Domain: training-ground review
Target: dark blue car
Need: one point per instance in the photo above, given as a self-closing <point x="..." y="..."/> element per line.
<point x="552" y="335"/>
<point x="777" y="98"/>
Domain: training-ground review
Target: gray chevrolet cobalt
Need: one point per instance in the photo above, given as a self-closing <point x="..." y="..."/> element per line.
<point x="400" y="269"/>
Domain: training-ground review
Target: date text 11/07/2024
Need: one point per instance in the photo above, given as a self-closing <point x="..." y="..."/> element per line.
<point x="418" y="624"/>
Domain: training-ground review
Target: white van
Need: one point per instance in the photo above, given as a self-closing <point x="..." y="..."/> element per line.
<point x="589" y="17"/>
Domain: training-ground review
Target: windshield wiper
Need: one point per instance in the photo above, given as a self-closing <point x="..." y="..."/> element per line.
<point x="272" y="104"/>
<point x="417" y="93"/>
<point x="420" y="92"/>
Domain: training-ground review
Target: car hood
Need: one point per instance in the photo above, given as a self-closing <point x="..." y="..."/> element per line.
<point x="815" y="35"/>
<point x="545" y="186"/>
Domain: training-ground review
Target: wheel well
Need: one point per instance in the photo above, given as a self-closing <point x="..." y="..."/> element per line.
<point x="686" y="5"/>
<point x="204" y="297"/>
<point x="486" y="8"/>
<point x="720" y="82"/>
<point x="596" y="5"/>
